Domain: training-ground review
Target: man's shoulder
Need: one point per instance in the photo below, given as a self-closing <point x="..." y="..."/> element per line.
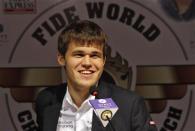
<point x="51" y="93"/>
<point x="123" y="97"/>
<point x="53" y="89"/>
<point x="119" y="91"/>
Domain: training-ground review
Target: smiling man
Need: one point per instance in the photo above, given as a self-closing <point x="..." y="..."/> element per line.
<point x="81" y="51"/>
<point x="83" y="62"/>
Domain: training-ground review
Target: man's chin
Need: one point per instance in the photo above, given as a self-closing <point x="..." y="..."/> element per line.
<point x="87" y="84"/>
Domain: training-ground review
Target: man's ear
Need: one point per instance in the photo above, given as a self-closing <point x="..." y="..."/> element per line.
<point x="61" y="59"/>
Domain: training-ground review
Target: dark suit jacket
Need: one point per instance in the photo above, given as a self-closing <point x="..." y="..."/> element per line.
<point x="131" y="116"/>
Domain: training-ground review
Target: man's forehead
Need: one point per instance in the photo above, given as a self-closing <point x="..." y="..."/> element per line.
<point x="87" y="44"/>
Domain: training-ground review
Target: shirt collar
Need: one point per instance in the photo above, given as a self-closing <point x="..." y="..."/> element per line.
<point x="68" y="102"/>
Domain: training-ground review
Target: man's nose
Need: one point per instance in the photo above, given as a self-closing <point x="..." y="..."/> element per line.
<point x="86" y="61"/>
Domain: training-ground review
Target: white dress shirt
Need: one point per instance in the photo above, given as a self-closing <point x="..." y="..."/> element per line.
<point x="73" y="118"/>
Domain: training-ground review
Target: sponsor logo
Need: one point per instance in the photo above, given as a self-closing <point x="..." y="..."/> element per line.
<point x="19" y="6"/>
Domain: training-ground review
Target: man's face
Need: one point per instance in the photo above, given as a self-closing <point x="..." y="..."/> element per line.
<point x="83" y="64"/>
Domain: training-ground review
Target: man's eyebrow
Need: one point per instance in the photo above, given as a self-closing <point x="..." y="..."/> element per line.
<point x="81" y="51"/>
<point x="77" y="51"/>
<point x="96" y="53"/>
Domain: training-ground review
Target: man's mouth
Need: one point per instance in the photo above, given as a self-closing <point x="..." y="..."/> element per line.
<point x="86" y="72"/>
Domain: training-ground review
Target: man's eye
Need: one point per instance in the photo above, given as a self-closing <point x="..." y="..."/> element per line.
<point x="78" y="55"/>
<point x="95" y="56"/>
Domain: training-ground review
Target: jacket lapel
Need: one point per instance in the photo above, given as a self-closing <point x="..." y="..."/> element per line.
<point x="96" y="124"/>
<point x="51" y="116"/>
<point x="104" y="91"/>
<point x="52" y="112"/>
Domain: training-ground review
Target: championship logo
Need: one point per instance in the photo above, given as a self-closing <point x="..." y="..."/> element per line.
<point x="146" y="54"/>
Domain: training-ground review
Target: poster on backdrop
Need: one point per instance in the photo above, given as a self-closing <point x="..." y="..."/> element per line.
<point x="152" y="41"/>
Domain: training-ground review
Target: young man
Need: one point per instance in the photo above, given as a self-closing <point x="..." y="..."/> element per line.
<point x="81" y="51"/>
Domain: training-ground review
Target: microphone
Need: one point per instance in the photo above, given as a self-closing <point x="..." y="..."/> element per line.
<point x="105" y="109"/>
<point x="94" y="91"/>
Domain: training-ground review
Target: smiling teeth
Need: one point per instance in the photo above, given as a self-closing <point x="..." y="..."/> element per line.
<point x="86" y="72"/>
